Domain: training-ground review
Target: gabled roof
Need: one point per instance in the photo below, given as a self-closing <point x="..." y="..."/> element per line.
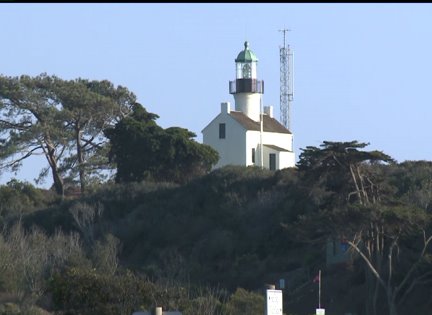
<point x="269" y="124"/>
<point x="276" y="148"/>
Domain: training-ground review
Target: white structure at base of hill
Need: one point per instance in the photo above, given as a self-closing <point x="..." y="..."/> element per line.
<point x="244" y="136"/>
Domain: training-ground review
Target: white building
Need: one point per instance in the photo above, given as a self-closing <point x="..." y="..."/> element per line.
<point x="240" y="136"/>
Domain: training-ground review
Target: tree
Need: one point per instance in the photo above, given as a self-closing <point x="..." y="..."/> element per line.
<point x="88" y="108"/>
<point x="359" y="207"/>
<point x="145" y="151"/>
<point x="30" y="124"/>
<point x="133" y="142"/>
<point x="185" y="158"/>
<point x="342" y="170"/>
<point x="61" y="120"/>
<point x="413" y="181"/>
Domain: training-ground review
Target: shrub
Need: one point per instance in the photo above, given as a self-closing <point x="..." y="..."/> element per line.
<point x="244" y="302"/>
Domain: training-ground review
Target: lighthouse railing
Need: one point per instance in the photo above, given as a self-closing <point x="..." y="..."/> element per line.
<point x="246" y="86"/>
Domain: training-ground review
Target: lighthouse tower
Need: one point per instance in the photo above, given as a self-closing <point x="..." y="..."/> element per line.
<point x="246" y="134"/>
<point x="246" y="88"/>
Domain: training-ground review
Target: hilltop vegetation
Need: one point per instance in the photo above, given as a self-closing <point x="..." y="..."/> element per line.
<point x="233" y="229"/>
<point x="136" y="218"/>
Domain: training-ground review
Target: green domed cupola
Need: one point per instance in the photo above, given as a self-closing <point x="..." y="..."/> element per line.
<point x="246" y="63"/>
<point x="246" y="55"/>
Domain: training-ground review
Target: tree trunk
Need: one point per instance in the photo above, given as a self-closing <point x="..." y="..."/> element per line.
<point x="80" y="157"/>
<point x="50" y="155"/>
<point x="58" y="183"/>
<point x="375" y="296"/>
<point x="390" y="302"/>
<point x="370" y="285"/>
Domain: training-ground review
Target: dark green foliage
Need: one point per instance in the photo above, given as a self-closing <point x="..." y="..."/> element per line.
<point x="133" y="143"/>
<point x="343" y="171"/>
<point x="18" y="198"/>
<point x="145" y="151"/>
<point x="413" y="183"/>
<point x="244" y="302"/>
<point x="223" y="227"/>
<point x="51" y="218"/>
<point x="85" y="292"/>
<point x="185" y="158"/>
<point x="361" y="207"/>
<point x="336" y="171"/>
<point x="240" y="227"/>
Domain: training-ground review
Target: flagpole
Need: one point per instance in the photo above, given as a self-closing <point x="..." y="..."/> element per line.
<point x="319" y="289"/>
<point x="261" y="133"/>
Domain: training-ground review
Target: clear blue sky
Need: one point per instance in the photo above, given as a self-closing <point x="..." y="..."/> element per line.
<point x="361" y="71"/>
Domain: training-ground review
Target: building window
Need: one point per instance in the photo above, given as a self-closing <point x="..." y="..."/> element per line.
<point x="253" y="155"/>
<point x="221" y="131"/>
<point x="272" y="161"/>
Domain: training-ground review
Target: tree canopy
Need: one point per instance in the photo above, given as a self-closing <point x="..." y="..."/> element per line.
<point x="145" y="151"/>
<point x="62" y="120"/>
<point x="359" y="205"/>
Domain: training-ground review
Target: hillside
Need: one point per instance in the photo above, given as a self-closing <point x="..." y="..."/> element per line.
<point x="232" y="228"/>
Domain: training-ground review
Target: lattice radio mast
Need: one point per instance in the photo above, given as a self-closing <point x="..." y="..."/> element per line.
<point x="286" y="82"/>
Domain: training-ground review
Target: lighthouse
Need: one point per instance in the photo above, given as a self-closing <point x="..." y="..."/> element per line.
<point x="248" y="134"/>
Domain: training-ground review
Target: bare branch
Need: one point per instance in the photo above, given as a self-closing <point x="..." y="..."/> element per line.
<point x="369" y="264"/>
<point x="390" y="260"/>
<point x="17" y="161"/>
<point x="20" y="126"/>
<point x="415" y="265"/>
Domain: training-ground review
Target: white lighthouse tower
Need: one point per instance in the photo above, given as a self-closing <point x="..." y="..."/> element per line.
<point x="246" y="135"/>
<point x="247" y="89"/>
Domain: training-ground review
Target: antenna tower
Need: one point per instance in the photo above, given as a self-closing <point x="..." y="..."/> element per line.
<point x="286" y="82"/>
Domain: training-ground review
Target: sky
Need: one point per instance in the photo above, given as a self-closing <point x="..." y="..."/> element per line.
<point x="361" y="71"/>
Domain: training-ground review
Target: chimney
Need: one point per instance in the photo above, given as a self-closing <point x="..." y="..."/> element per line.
<point x="269" y="111"/>
<point x="225" y="107"/>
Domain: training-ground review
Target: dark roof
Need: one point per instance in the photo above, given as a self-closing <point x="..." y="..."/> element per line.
<point x="276" y="148"/>
<point x="269" y="124"/>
